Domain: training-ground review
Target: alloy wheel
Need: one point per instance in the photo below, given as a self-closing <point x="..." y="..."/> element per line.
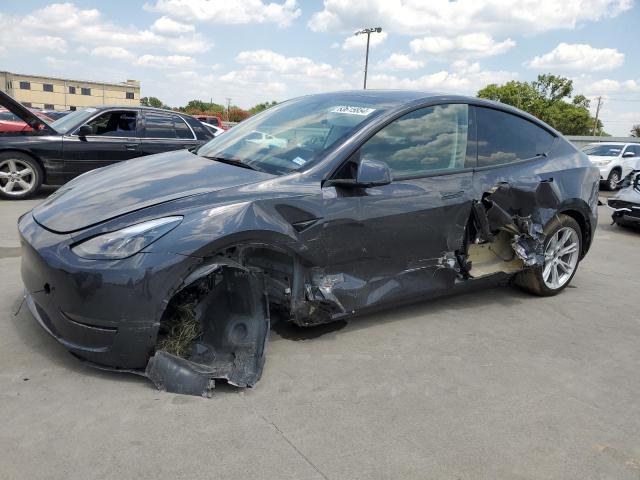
<point x="560" y="258"/>
<point x="614" y="178"/>
<point x="16" y="177"/>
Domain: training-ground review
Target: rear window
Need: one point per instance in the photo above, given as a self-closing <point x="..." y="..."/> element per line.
<point x="505" y="138"/>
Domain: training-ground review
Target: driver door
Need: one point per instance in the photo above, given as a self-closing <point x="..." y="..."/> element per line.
<point x="398" y="241"/>
<point x="114" y="138"/>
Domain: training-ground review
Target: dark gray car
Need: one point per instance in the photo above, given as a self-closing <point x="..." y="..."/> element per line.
<point x="341" y="203"/>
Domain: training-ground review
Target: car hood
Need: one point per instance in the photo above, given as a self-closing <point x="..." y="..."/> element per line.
<point x="110" y="192"/>
<point x="25" y="114"/>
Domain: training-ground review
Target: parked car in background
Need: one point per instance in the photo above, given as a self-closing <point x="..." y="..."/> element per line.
<point x="626" y="203"/>
<point x="215" y="131"/>
<point x="615" y="160"/>
<point x="168" y="266"/>
<point x="56" y="114"/>
<point x="10" y="122"/>
<point x="54" y="153"/>
<point x="211" y="120"/>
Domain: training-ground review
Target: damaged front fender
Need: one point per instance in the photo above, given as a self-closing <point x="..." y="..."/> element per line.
<point x="215" y="328"/>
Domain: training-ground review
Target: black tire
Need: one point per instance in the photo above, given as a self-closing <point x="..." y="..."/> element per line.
<point x="14" y="186"/>
<point x="611" y="183"/>
<point x="531" y="280"/>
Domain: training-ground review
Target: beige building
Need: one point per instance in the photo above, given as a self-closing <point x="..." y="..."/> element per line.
<point x="66" y="94"/>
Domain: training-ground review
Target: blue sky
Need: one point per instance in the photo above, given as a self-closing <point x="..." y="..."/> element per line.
<point x="258" y="50"/>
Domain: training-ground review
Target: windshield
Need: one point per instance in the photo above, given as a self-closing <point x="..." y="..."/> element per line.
<point x="603" y="150"/>
<point x="68" y="122"/>
<point x="294" y="134"/>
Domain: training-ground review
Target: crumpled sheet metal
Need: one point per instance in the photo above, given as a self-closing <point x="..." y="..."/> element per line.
<point x="234" y="317"/>
<point x="521" y="211"/>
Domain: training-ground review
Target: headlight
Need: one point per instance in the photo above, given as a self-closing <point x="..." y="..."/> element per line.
<point x="126" y="242"/>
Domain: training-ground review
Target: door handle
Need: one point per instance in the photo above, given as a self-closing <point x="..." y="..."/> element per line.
<point x="131" y="146"/>
<point x="448" y="195"/>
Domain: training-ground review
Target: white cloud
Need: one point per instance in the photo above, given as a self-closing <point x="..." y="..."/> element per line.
<point x="398" y="61"/>
<point x="464" y="78"/>
<point x="232" y="13"/>
<point x="296" y="66"/>
<point x="359" y="42"/>
<point x="469" y="45"/>
<point x="169" y="61"/>
<point x="604" y="86"/>
<point x="438" y="17"/>
<point x="56" y="26"/>
<point x="578" y="57"/>
<point x="169" y="26"/>
<point x="115" y="53"/>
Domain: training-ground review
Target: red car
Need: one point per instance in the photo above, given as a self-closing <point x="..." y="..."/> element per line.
<point x="12" y="123"/>
<point x="212" y="120"/>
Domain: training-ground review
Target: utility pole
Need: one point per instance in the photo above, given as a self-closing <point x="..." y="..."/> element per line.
<point x="228" y="107"/>
<point x="368" y="32"/>
<point x="595" y="123"/>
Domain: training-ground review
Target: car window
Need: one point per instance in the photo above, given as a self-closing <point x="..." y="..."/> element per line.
<point x="635" y="149"/>
<point x="603" y="150"/>
<point x="159" y="126"/>
<point x="115" y="123"/>
<point x="423" y="141"/>
<point x="181" y="128"/>
<point x="505" y="138"/>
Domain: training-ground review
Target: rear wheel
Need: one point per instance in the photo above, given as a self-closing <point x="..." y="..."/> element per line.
<point x="20" y="175"/>
<point x="562" y="247"/>
<point x="612" y="180"/>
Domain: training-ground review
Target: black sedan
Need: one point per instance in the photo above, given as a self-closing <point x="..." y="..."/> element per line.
<point x="318" y="209"/>
<point x="86" y="139"/>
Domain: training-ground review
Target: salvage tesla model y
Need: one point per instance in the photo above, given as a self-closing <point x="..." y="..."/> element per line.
<point x="170" y="265"/>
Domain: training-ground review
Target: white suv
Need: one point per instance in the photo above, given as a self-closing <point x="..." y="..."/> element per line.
<point x="615" y="160"/>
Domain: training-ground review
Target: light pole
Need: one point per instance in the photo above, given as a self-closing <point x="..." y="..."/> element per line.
<point x="368" y="31"/>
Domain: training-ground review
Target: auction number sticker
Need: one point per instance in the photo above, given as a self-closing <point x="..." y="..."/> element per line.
<point x="353" y="110"/>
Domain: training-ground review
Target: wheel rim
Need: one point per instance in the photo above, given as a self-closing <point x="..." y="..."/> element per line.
<point x="560" y="258"/>
<point x="16" y="177"/>
<point x="613" y="180"/>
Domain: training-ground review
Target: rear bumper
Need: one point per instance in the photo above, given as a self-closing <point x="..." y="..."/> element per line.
<point x="105" y="312"/>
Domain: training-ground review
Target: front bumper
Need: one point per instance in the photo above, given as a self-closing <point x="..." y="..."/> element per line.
<point x="106" y="312"/>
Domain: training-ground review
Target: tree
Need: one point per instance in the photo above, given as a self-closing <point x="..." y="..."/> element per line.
<point x="635" y="130"/>
<point x="198" y="107"/>
<point x="262" y="106"/>
<point x="153" y="102"/>
<point x="549" y="99"/>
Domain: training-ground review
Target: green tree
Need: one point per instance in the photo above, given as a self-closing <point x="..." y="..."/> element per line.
<point x="549" y="99"/>
<point x="262" y="106"/>
<point x="198" y="107"/>
<point x="153" y="102"/>
<point x="635" y="130"/>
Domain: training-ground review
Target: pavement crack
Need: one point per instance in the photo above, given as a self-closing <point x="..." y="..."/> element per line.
<point x="286" y="439"/>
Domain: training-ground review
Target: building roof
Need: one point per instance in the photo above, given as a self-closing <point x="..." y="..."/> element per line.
<point x="128" y="83"/>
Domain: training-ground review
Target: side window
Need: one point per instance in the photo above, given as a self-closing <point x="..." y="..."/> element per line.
<point x="427" y="140"/>
<point x="158" y="125"/>
<point x="505" y="138"/>
<point x="182" y="129"/>
<point x="635" y="149"/>
<point x="117" y="123"/>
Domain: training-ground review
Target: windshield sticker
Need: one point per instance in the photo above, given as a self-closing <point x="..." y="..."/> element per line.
<point x="90" y="109"/>
<point x="352" y="110"/>
<point x="299" y="161"/>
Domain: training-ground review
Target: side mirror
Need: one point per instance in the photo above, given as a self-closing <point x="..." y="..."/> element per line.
<point x="371" y="173"/>
<point x="628" y="155"/>
<point x="85" y="130"/>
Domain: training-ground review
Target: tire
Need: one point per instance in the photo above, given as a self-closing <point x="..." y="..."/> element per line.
<point x="611" y="183"/>
<point x="20" y="175"/>
<point x="562" y="234"/>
